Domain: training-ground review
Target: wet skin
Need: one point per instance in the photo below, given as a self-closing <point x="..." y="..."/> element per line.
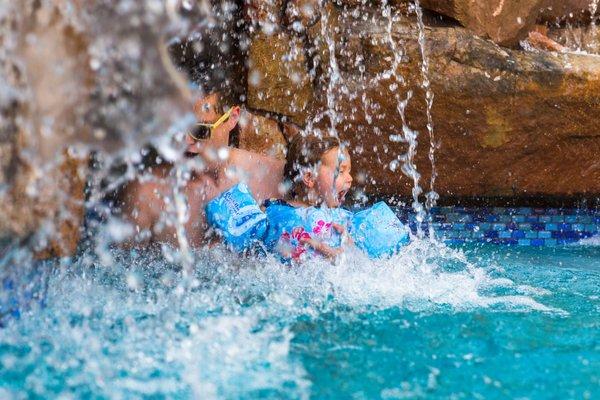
<point x="328" y="185"/>
<point x="147" y="202"/>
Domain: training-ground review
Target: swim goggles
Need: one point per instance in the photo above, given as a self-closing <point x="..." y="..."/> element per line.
<point x="203" y="131"/>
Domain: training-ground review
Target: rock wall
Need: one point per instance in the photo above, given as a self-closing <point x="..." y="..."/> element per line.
<point x="76" y="76"/>
<point x="508" y="122"/>
<point x="504" y="22"/>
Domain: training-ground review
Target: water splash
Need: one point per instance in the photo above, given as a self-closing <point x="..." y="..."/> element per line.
<point x="594" y="10"/>
<point x="409" y="135"/>
<point x="226" y="328"/>
<point x="432" y="195"/>
<point x="333" y="74"/>
<point x="334" y="80"/>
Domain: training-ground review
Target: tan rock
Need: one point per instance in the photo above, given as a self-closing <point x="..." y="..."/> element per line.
<point x="567" y="10"/>
<point x="65" y="211"/>
<point x="43" y="195"/>
<point x="49" y="203"/>
<point x="509" y="122"/>
<point x="507" y="22"/>
<point x="575" y="38"/>
<point x="262" y="135"/>
<point x="302" y="14"/>
<point x="263" y="14"/>
<point x="503" y="21"/>
<point x="81" y="73"/>
<point x="278" y="79"/>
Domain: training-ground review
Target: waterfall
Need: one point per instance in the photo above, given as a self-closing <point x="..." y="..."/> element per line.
<point x="409" y="135"/>
<point x="593" y="11"/>
<point x="432" y="196"/>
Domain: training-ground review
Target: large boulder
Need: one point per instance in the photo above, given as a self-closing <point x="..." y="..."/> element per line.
<point x="262" y="135"/>
<point x="508" y="122"/>
<point x="278" y="77"/>
<point x="508" y="22"/>
<point x="504" y="22"/>
<point x="85" y="75"/>
<point x="568" y="10"/>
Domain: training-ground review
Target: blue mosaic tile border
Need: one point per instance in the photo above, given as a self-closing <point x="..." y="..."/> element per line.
<point x="521" y="226"/>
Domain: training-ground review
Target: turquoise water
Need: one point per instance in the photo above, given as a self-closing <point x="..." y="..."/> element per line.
<point x="433" y="322"/>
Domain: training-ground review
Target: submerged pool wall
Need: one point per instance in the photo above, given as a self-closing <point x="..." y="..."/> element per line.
<point x="507" y="121"/>
<point x="522" y="226"/>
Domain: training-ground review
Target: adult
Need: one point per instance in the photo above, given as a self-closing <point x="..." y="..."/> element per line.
<point x="148" y="202"/>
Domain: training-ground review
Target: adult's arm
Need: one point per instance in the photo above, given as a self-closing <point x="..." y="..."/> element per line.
<point x="140" y="204"/>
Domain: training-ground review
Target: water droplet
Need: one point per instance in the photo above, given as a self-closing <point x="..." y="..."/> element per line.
<point x="254" y="78"/>
<point x="223" y="153"/>
<point x="187" y="5"/>
<point x="94" y="64"/>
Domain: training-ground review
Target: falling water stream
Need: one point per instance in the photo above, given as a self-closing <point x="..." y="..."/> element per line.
<point x="594" y="17"/>
<point x="432" y="195"/>
<point x="409" y="135"/>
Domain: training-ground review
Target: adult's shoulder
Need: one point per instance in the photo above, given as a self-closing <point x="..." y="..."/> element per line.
<point x="143" y="197"/>
<point x="262" y="173"/>
<point x="242" y="157"/>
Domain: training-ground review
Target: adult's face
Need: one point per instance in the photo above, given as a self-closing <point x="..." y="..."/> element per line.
<point x="207" y="112"/>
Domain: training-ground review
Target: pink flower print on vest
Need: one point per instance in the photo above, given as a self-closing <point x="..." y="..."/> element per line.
<point x="292" y="243"/>
<point x="322" y="229"/>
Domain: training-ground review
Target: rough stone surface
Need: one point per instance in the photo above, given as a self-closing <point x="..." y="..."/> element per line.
<point x="586" y="38"/>
<point x="302" y="14"/>
<point x="509" y="122"/>
<point x="262" y="135"/>
<point x="65" y="211"/>
<point x="48" y="204"/>
<point x="263" y="14"/>
<point x="278" y="79"/>
<point x="42" y="195"/>
<point x="6" y="154"/>
<point x="507" y="22"/>
<point x="566" y="10"/>
<point x="504" y="22"/>
<point x="78" y="73"/>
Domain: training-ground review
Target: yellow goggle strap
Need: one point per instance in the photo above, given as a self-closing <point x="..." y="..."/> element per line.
<point x="220" y="121"/>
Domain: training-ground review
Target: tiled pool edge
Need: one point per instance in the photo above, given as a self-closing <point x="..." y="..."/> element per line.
<point x="513" y="226"/>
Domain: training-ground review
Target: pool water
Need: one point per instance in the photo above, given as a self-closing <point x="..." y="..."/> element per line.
<point x="433" y="322"/>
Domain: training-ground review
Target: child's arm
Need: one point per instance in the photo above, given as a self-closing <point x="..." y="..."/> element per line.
<point x="326" y="250"/>
<point x="322" y="248"/>
<point x="341" y="229"/>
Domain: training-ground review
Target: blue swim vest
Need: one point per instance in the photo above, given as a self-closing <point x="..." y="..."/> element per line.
<point x="378" y="232"/>
<point x="288" y="225"/>
<point x="237" y="217"/>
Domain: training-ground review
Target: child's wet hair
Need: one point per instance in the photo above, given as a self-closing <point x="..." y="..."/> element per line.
<point x="305" y="151"/>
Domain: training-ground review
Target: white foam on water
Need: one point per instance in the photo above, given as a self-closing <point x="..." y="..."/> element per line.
<point x="98" y="333"/>
<point x="591" y="241"/>
<point x="245" y="359"/>
<point x="424" y="276"/>
<point x="228" y="331"/>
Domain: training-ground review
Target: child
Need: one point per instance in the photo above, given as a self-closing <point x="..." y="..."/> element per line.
<point x="311" y="220"/>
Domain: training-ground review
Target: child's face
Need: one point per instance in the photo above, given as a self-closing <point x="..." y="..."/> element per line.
<point x="332" y="190"/>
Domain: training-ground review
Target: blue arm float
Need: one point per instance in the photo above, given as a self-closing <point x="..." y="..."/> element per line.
<point x="237" y="217"/>
<point x="378" y="232"/>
